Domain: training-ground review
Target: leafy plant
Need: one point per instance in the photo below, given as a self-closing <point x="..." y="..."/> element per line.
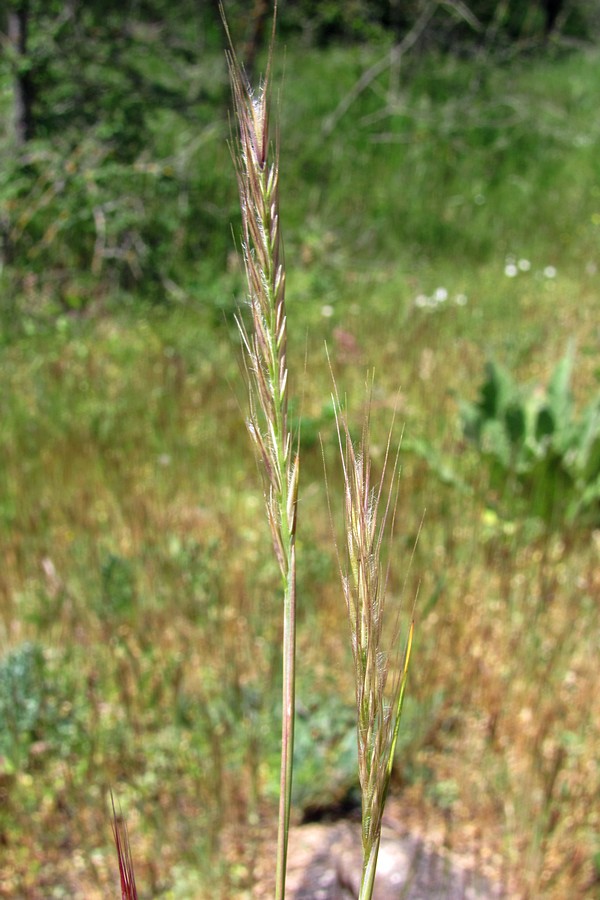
<point x="81" y="214"/>
<point x="117" y="598"/>
<point x="537" y="449"/>
<point x="36" y="707"/>
<point x="22" y="700"/>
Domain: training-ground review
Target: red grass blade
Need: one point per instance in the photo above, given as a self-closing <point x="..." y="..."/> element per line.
<point x="126" y="873"/>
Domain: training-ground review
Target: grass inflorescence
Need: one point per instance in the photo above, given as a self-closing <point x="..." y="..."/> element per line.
<point x="380" y="670"/>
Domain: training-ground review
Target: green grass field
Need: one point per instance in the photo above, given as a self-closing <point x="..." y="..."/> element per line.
<point x="428" y="229"/>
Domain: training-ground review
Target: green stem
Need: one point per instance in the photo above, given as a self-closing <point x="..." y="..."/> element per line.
<point x="367" y="883"/>
<point x="287" y="726"/>
<point x="289" y="585"/>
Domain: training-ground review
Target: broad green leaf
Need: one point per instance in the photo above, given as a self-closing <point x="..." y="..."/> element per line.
<point x="559" y="390"/>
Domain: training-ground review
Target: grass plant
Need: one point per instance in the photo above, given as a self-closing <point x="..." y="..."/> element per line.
<point x="266" y="353"/>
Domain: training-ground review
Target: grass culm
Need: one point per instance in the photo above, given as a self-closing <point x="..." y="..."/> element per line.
<point x="265" y="344"/>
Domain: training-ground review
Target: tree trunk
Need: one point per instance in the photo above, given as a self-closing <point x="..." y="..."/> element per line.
<point x="552" y="10"/>
<point x="18" y="22"/>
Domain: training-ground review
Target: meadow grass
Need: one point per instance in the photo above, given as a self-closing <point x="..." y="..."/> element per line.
<point x="132" y="539"/>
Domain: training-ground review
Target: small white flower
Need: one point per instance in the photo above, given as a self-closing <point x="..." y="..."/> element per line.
<point x="327" y="311"/>
<point x="461" y="299"/>
<point x="440" y="295"/>
<point x="421" y="300"/>
<point x="510" y="270"/>
<point x="524" y="265"/>
<point x="550" y="272"/>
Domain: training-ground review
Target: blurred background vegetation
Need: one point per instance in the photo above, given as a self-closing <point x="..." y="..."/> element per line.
<point x="441" y="199"/>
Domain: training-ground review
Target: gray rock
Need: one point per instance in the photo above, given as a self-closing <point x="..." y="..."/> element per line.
<point x="325" y="864"/>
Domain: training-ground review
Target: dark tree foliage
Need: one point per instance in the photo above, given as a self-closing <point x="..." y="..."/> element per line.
<point x="85" y="192"/>
<point x="102" y="184"/>
<point x="321" y="21"/>
<point x="79" y="62"/>
<point x="87" y="62"/>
